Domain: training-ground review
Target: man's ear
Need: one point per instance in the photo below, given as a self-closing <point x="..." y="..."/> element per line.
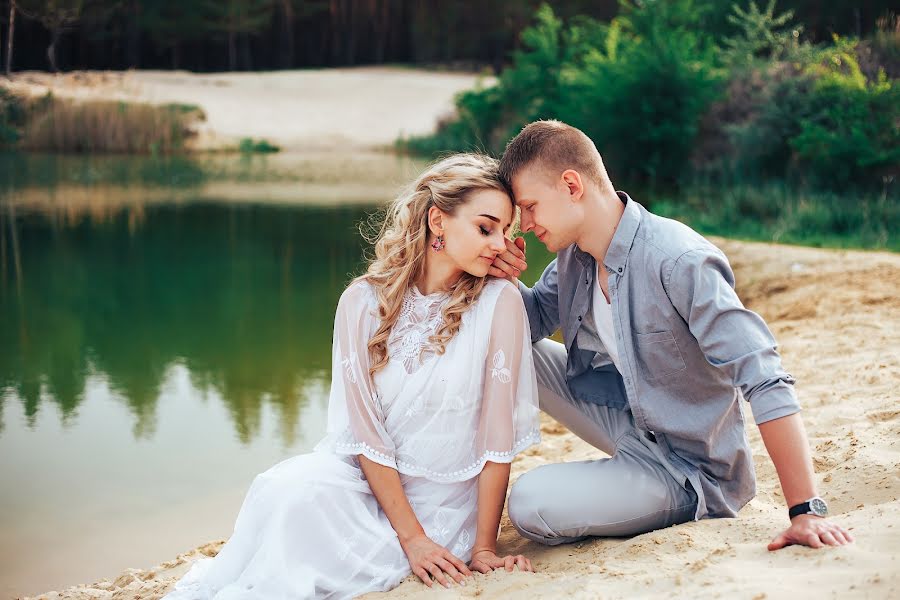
<point x="572" y="180"/>
<point x="436" y="220"/>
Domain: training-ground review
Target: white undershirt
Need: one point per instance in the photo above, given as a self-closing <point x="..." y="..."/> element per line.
<point x="604" y="324"/>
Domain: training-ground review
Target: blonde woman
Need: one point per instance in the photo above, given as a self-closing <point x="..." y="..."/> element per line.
<point x="433" y="393"/>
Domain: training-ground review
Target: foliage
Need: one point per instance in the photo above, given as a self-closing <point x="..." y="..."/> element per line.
<point x="12" y="118"/>
<point x="761" y="34"/>
<point x="250" y="146"/>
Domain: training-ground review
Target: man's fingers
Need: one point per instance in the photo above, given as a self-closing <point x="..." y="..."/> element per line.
<point x="520" y="562"/>
<point x="779" y="542"/>
<point x="829" y="539"/>
<point x="520" y="244"/>
<point x="509" y="562"/>
<point x="813" y="541"/>
<point x="516" y="248"/>
<point x="495" y="272"/>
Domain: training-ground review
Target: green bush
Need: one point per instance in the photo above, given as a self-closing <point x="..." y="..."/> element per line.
<point x="251" y="146"/>
<point x="851" y="134"/>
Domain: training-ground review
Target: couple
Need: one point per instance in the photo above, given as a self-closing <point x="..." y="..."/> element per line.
<point x="438" y="370"/>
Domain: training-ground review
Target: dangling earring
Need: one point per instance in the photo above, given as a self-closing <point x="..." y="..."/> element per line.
<point x="438" y="244"/>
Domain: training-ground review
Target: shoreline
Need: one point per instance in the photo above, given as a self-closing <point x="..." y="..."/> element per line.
<point x="836" y="315"/>
<point x="308" y="110"/>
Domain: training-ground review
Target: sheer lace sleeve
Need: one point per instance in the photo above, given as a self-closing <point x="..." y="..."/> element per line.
<point x="355" y="416"/>
<point x="509" y="412"/>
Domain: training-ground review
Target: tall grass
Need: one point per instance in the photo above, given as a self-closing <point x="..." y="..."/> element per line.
<point x="779" y="212"/>
<point x="68" y="126"/>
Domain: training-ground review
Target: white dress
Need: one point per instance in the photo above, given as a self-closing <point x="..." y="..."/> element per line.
<point x="310" y="526"/>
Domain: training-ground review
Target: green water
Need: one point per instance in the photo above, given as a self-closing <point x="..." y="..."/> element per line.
<point x="165" y="335"/>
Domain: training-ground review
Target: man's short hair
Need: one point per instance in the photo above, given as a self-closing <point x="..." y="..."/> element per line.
<point x="553" y="146"/>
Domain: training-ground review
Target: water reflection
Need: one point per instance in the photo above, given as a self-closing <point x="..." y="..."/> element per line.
<point x="241" y="295"/>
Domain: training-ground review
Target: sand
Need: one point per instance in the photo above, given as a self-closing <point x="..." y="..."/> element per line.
<point x="333" y="109"/>
<point x="836" y="315"/>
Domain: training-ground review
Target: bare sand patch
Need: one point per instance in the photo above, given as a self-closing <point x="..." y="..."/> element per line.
<point x="326" y="109"/>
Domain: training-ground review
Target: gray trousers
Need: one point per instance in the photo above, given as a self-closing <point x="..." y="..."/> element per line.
<point x="634" y="491"/>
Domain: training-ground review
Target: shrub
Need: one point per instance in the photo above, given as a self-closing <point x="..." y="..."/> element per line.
<point x="59" y="125"/>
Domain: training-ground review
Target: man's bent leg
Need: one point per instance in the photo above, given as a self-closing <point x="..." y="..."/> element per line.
<point x="625" y="495"/>
<point x="598" y="425"/>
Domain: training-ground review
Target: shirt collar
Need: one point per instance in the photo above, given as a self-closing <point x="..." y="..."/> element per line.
<point x="623" y="238"/>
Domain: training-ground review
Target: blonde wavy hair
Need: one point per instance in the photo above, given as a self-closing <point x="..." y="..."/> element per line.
<point x="403" y="238"/>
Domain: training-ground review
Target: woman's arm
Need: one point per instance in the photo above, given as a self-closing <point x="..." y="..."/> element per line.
<point x="492" y="485"/>
<point x="426" y="558"/>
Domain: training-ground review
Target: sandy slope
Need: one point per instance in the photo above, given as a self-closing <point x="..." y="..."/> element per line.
<point x="331" y="109"/>
<point x="837" y="317"/>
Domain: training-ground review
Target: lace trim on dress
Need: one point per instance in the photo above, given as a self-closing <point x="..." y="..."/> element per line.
<point x="419" y="319"/>
<point x="531" y="438"/>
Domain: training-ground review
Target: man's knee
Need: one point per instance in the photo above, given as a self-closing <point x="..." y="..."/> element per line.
<point x="528" y="506"/>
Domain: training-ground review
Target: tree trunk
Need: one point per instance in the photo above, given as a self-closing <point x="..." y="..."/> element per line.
<point x="232" y="51"/>
<point x="133" y="37"/>
<point x="287" y="35"/>
<point x="51" y="49"/>
<point x="9" y="37"/>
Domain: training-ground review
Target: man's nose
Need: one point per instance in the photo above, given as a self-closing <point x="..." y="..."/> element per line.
<point x="525" y="223"/>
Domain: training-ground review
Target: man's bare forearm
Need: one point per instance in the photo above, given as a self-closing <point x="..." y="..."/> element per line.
<point x="788" y="446"/>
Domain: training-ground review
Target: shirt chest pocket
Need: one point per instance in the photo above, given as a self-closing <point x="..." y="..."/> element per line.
<point x="658" y="354"/>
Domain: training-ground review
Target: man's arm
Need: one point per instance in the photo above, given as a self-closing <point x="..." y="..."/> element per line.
<point x="542" y="300"/>
<point x="737" y="340"/>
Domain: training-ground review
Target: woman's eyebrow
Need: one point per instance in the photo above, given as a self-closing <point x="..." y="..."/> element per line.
<point x="492" y="218"/>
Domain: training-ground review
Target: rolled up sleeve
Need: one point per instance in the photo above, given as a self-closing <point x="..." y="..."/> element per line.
<point x="731" y="337"/>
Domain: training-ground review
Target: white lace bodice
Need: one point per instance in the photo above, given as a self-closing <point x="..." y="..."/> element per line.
<point x="437" y="416"/>
<point x="420" y="318"/>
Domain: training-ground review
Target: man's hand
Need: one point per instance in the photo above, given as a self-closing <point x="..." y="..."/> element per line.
<point x="812" y="531"/>
<point x="510" y="263"/>
<point x="486" y="561"/>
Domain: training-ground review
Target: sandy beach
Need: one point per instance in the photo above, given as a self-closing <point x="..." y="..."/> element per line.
<point x="835" y="313"/>
<point x="837" y="317"/>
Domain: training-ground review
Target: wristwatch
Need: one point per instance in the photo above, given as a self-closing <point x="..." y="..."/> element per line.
<point x="813" y="506"/>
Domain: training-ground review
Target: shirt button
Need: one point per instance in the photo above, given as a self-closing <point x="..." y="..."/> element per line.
<point x="620" y="269"/>
<point x="579" y="318"/>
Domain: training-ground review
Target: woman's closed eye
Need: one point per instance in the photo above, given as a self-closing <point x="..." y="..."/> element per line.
<point x="484" y="232"/>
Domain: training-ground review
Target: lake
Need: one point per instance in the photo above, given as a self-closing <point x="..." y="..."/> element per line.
<point x="165" y="335"/>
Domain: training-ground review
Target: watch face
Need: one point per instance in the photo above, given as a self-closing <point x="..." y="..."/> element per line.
<point x="818" y="507"/>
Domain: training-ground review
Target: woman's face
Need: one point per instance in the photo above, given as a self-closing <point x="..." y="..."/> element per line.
<point x="476" y="234"/>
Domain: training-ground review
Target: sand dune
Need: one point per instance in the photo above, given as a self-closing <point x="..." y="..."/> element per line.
<point x="837" y="317"/>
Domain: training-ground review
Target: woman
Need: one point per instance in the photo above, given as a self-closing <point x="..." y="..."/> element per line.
<point x="432" y="395"/>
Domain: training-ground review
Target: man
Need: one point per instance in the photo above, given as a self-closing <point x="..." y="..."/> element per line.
<point x="658" y="352"/>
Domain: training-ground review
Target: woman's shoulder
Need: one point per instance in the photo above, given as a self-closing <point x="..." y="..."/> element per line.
<point x="500" y="294"/>
<point x="360" y="294"/>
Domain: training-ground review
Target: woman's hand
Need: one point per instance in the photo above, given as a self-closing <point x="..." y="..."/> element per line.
<point x="428" y="559"/>
<point x="485" y="561"/>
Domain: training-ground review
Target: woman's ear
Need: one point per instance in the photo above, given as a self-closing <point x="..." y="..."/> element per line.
<point x="436" y="220"/>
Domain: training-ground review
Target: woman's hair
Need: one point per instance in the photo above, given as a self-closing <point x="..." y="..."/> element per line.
<point x="402" y="242"/>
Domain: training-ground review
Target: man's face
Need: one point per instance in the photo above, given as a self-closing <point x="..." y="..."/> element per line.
<point x="547" y="207"/>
